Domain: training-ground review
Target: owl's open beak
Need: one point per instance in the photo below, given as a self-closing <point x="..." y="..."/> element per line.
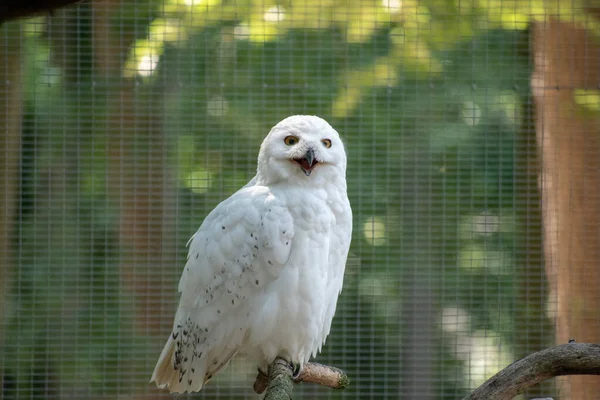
<point x="308" y="162"/>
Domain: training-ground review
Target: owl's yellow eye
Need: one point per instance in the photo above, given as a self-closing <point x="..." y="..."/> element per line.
<point x="290" y="140"/>
<point x="326" y="143"/>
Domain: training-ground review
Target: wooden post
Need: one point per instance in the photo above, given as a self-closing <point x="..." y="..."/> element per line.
<point x="566" y="58"/>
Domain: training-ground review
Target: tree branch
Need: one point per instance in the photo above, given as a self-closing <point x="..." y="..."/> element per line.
<point x="566" y="359"/>
<point x="279" y="382"/>
<point x="324" y="375"/>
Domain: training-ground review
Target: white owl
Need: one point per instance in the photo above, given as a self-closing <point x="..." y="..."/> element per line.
<point x="265" y="269"/>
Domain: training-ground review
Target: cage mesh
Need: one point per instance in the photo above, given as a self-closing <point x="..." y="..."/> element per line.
<point x="471" y="134"/>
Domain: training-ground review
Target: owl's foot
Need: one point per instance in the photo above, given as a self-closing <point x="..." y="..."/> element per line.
<point x="262" y="378"/>
<point x="261" y="382"/>
<point x="296" y="370"/>
<point x="309" y="372"/>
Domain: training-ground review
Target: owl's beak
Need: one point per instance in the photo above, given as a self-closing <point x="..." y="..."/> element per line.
<point x="308" y="162"/>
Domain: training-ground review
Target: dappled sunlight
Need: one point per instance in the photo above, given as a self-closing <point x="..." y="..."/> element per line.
<point x="217" y="106"/>
<point x="589" y="99"/>
<point x="509" y="103"/>
<point x="478" y="259"/>
<point x="484" y="353"/>
<point x="195" y="169"/>
<point x="198" y="181"/>
<point x="392" y="6"/>
<point x="483" y="250"/>
<point x="415" y="37"/>
<point x="485" y="224"/>
<point x="470" y="113"/>
<point x="146" y="53"/>
<point x="374" y="231"/>
<point x="455" y="320"/>
<point x="147" y="64"/>
<point x="274" y="14"/>
<point x="380" y="74"/>
<point x="241" y="31"/>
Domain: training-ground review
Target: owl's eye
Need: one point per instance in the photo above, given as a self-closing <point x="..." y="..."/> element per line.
<point x="290" y="140"/>
<point x="326" y="143"/>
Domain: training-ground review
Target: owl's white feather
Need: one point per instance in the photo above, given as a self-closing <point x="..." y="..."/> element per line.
<point x="265" y="269"/>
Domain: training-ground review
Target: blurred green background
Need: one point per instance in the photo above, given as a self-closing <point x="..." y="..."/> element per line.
<point x="139" y="116"/>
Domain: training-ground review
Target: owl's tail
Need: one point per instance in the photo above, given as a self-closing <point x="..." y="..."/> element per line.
<point x="164" y="373"/>
<point x="191" y="375"/>
<point x="178" y="380"/>
<point x="185" y="366"/>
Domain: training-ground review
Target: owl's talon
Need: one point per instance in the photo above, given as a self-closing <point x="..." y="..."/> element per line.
<point x="296" y="370"/>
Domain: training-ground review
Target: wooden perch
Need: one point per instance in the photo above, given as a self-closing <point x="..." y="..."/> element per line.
<point x="566" y="359"/>
<point x="279" y="383"/>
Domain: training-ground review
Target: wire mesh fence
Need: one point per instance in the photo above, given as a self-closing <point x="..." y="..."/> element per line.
<point x="471" y="134"/>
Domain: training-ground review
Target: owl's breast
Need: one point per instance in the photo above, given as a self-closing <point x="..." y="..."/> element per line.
<point x="293" y="316"/>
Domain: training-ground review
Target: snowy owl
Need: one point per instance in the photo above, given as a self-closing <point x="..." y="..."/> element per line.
<point x="265" y="269"/>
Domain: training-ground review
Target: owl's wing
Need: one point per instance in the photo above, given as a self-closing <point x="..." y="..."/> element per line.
<point x="242" y="245"/>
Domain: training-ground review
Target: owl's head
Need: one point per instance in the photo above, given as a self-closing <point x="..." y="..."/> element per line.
<point x="304" y="148"/>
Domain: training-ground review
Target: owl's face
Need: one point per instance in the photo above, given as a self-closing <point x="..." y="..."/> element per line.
<point x="302" y="147"/>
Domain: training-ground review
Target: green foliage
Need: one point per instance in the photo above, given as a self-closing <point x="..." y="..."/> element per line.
<point x="427" y="96"/>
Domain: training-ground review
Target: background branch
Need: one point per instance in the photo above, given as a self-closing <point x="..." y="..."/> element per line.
<point x="10" y="9"/>
<point x="566" y="359"/>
